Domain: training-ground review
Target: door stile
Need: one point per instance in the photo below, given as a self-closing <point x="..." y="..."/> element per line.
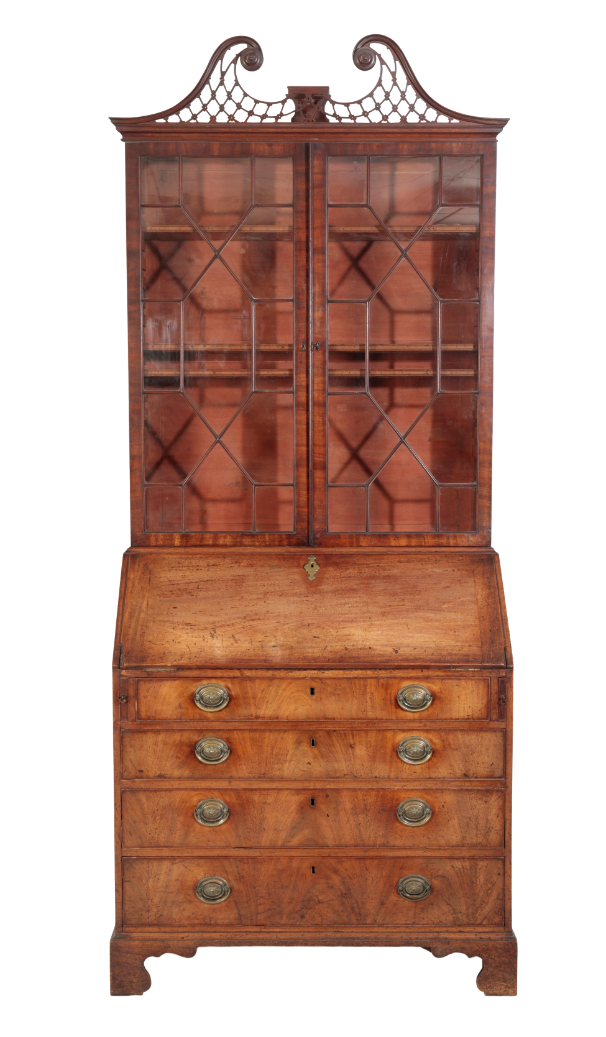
<point x="319" y="356"/>
<point x="300" y="330"/>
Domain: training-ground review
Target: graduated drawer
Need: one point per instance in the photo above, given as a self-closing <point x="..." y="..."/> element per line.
<point x="314" y="817"/>
<point x="311" y="699"/>
<point x="363" y="753"/>
<point x="295" y="891"/>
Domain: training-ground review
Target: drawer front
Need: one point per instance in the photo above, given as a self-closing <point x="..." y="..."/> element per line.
<point x="311" y="699"/>
<point x="303" y="891"/>
<point x="314" y="817"/>
<point x="365" y="753"/>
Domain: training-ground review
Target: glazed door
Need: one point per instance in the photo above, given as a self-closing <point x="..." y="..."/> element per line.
<point x="218" y="307"/>
<point x="402" y="375"/>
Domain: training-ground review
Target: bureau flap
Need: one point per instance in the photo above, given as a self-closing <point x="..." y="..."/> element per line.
<point x="260" y="608"/>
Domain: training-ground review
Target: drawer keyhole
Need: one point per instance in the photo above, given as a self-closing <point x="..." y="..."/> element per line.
<point x="313" y="870"/>
<point x="312" y="691"/>
<point x="312" y="802"/>
<point x="313" y="743"/>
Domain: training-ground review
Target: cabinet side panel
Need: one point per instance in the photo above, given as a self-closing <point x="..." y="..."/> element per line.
<point x="133" y="252"/>
<point x="485" y="339"/>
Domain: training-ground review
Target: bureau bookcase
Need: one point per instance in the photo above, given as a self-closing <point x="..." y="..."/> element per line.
<point x="312" y="667"/>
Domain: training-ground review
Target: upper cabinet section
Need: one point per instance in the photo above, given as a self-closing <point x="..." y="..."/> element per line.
<point x="310" y="301"/>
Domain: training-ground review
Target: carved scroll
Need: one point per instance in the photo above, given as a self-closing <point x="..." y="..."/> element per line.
<point x="396" y="96"/>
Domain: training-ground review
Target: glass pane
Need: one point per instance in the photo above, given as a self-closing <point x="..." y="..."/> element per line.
<point x="173" y="253"/>
<point x="346" y="345"/>
<point x="404" y="191"/>
<point x="161" y="345"/>
<point x="273" y="181"/>
<point x="218" y="496"/>
<point x="357" y="263"/>
<point x="459" y="347"/>
<point x="403" y="339"/>
<point x="274" y="355"/>
<point x="461" y="179"/>
<point x="275" y="508"/>
<point x="160" y="181"/>
<point x="446" y="253"/>
<point x="458" y="509"/>
<point x="347" y="509"/>
<point x="175" y="438"/>
<point x="402" y="498"/>
<point x="359" y="438"/>
<point x="445" y="438"/>
<point x="217" y="339"/>
<point x="163" y="507"/>
<point x="262" y="437"/>
<point x="261" y="254"/>
<point x="346" y="180"/>
<point x="217" y="192"/>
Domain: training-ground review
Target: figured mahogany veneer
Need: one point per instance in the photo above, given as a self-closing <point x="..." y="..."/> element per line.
<point x="313" y="817"/>
<point x="350" y="891"/>
<point x="310" y="292"/>
<point x="313" y="699"/>
<point x="288" y="753"/>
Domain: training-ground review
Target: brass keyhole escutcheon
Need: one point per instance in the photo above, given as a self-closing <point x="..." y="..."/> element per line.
<point x="311" y="567"/>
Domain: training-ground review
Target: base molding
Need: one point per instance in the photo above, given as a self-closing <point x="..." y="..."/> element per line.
<point x="498" y="951"/>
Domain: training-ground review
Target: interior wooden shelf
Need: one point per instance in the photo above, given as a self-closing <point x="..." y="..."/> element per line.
<point x="378" y="372"/>
<point x="255" y="228"/>
<point x="438" y="228"/>
<point x="412" y="348"/>
<point x="260" y="228"/>
<point x="357" y="348"/>
<point x="402" y="372"/>
<point x="219" y="348"/>
<point x="174" y="373"/>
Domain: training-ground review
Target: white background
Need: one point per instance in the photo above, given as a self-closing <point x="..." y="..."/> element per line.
<point x="65" y="464"/>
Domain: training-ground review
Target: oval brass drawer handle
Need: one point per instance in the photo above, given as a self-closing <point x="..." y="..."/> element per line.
<point x="413" y="812"/>
<point x="211" y="697"/>
<point x="414" y="749"/>
<point x="414" y="887"/>
<point x="213" y="889"/>
<point x="212" y="750"/>
<point x="212" y="812"/>
<point x="414" y="698"/>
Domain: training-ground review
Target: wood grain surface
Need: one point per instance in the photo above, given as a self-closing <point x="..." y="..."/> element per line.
<point x="303" y="699"/>
<point x="290" y="754"/>
<point x="312" y="817"/>
<point x="248" y="607"/>
<point x="291" y="891"/>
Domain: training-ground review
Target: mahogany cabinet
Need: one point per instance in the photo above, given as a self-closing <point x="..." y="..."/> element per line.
<point x="312" y="668"/>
